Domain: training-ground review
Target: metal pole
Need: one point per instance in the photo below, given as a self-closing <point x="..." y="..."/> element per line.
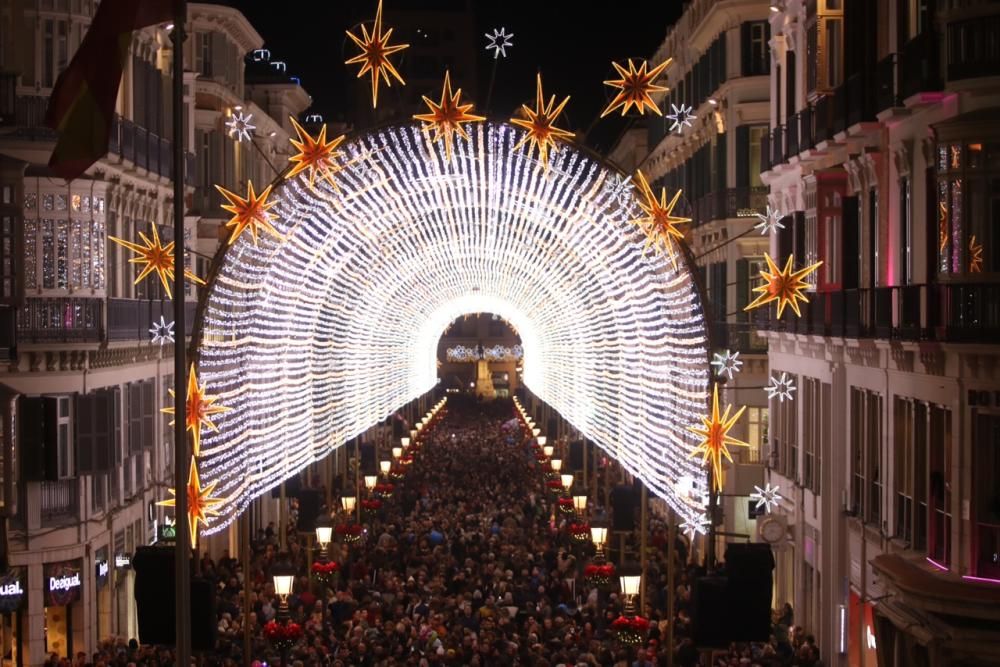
<point x="671" y="555"/>
<point x="713" y="502"/>
<point x="643" y="536"/>
<point x="182" y="553"/>
<point x="282" y="517"/>
<point x="245" y="560"/>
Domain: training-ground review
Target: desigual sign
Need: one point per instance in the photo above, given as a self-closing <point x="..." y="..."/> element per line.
<point x="63" y="582"/>
<point x="12" y="593"/>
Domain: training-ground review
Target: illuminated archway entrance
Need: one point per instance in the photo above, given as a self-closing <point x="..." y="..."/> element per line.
<point x="314" y="338"/>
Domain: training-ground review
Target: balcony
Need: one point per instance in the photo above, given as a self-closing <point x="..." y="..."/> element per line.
<point x="59" y="502"/>
<point x="945" y="313"/>
<point x="887" y="82"/>
<point x="918" y="66"/>
<point x="791" y="137"/>
<point x="60" y="319"/>
<point x="777" y="156"/>
<point x="730" y="203"/>
<point x="859" y="99"/>
<point x="974" y="48"/>
<point x="131" y="319"/>
<point x="823" y="119"/>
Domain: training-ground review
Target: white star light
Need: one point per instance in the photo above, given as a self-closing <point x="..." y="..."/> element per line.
<point x="240" y="126"/>
<point x="699" y="525"/>
<point x="681" y="116"/>
<point x="781" y="388"/>
<point x="769" y="222"/>
<point x="767" y="497"/>
<point x="728" y="363"/>
<point x="162" y="332"/>
<point x="498" y="42"/>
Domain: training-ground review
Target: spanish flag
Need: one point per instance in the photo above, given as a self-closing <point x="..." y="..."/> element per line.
<point x="83" y="100"/>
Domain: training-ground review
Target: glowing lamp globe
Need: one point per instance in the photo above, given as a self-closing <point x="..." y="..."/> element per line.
<point x="580" y="503"/>
<point x="397" y="452"/>
<point x="536" y="432"/>
<point x="348" y="503"/>
<point x="548" y="450"/>
<point x="598" y="535"/>
<point x="567" y="481"/>
<point x="371" y="481"/>
<point x="557" y="464"/>
<point x="405" y="442"/>
<point x="385" y="466"/>
<point x="420" y="426"/>
<point x="283" y="576"/>
<point x="324" y="534"/>
<point x="542" y="440"/>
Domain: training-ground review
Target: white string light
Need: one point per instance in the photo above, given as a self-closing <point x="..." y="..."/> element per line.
<point x="314" y="340"/>
<point x="461" y="353"/>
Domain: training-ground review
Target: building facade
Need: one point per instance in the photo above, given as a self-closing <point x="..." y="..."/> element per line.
<point x="86" y="451"/>
<point x="720" y="71"/>
<point x="881" y="158"/>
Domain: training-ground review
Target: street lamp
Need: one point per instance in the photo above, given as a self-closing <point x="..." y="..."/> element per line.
<point x="541" y="440"/>
<point x="599" y="536"/>
<point x="536" y="432"/>
<point x="630" y="580"/>
<point x="348" y="503"/>
<point x="385" y="466"/>
<point x="405" y="442"/>
<point x="557" y="464"/>
<point x="324" y="533"/>
<point x="548" y="449"/>
<point x="413" y="434"/>
<point x="580" y="504"/>
<point x="567" y="481"/>
<point x="371" y="481"/>
<point x="397" y="452"/>
<point x="283" y="576"/>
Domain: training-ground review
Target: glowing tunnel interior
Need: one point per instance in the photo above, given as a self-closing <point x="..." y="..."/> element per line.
<point x="313" y="339"/>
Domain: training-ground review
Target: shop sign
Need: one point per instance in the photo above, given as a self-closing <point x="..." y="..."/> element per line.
<point x="102" y="567"/>
<point x="62" y="583"/>
<point x="12" y="590"/>
<point x="122" y="561"/>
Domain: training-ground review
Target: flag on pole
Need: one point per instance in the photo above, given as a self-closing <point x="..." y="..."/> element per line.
<point x="83" y="100"/>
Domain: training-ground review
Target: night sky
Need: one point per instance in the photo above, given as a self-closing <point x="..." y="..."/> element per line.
<point x="571" y="43"/>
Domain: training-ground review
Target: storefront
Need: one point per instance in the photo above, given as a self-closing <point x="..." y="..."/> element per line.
<point x="861" y="644"/>
<point x="63" y="585"/>
<point x="13" y="602"/>
<point x="125" y="620"/>
<point x="102" y="576"/>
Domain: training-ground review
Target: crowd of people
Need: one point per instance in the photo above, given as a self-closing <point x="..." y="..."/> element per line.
<point x="467" y="562"/>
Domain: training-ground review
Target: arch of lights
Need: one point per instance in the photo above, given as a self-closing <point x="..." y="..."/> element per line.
<point x="317" y="336"/>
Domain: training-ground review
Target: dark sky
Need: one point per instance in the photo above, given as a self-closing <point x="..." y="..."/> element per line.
<point x="572" y="43"/>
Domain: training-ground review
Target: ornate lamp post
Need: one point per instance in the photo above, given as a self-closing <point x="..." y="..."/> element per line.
<point x="556" y="465"/>
<point x="547" y="449"/>
<point x="370" y="482"/>
<point x="580" y="505"/>
<point x="385" y="466"/>
<point x="282" y="632"/>
<point x="567" y="481"/>
<point x="629" y="628"/>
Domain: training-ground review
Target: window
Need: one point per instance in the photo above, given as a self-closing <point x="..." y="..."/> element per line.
<point x="939" y="487"/>
<point x="813" y="433"/>
<point x="785" y="452"/>
<point x="986" y="467"/>
<point x="756" y="433"/>
<point x="873" y="237"/>
<point x="866" y="455"/>
<point x="757" y="134"/>
<point x="905" y="231"/>
<point x="63" y="439"/>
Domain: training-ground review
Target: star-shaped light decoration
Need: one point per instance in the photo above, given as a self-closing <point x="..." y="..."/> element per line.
<point x="375" y="52"/>
<point x="315" y="155"/>
<point x="681" y="116"/>
<point x="659" y="222"/>
<point x="635" y="87"/>
<point x="240" y="127"/>
<point x="622" y="189"/>
<point x="770" y="222"/>
<point x="780" y="387"/>
<point x="157" y="257"/>
<point x="785" y="286"/>
<point x="447" y="116"/>
<point x="249" y="213"/>
<point x="162" y="332"/>
<point x="200" y="502"/>
<point x="699" y="525"/>
<point x="541" y="133"/>
<point x="499" y="42"/>
<point x="198" y="410"/>
<point x="728" y="363"/>
<point x="975" y="255"/>
<point x="715" y="438"/>
<point x="767" y="497"/>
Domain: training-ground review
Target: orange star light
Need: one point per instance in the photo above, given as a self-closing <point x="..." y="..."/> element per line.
<point x="158" y="258"/>
<point x="375" y="52"/>
<point x="975" y="255"/>
<point x="201" y="504"/>
<point x="785" y="286"/>
<point x="315" y="154"/>
<point x="446" y="117"/>
<point x="198" y="411"/>
<point x="659" y="222"/>
<point x="250" y="213"/>
<point x="715" y="438"/>
<point x="539" y="124"/>
<point x="635" y="87"/>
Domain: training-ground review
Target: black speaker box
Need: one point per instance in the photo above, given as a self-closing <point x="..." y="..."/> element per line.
<point x="155" y="594"/>
<point x="622" y="508"/>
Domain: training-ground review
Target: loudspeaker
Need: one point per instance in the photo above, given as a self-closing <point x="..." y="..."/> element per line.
<point x="293" y="486"/>
<point x="552" y="428"/>
<point x="309" y="504"/>
<point x="622" y="508"/>
<point x="576" y="455"/>
<point x="711" y="618"/>
<point x="155" y="601"/>
<point x="749" y="568"/>
<point x="397" y="428"/>
<point x="368" y="463"/>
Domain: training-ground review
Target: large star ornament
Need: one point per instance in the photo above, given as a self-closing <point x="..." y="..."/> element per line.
<point x="157" y="258"/>
<point x="659" y="222"/>
<point x="447" y="116"/>
<point x="715" y="438"/>
<point x="315" y="155"/>
<point x="198" y="411"/>
<point x="635" y="88"/>
<point x="249" y="212"/>
<point x="200" y="502"/>
<point x="375" y="52"/>
<point x="539" y="123"/>
<point x="785" y="286"/>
